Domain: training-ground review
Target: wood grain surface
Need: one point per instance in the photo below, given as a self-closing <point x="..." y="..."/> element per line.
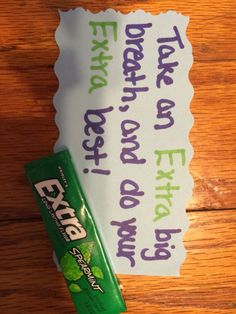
<point x="29" y="281"/>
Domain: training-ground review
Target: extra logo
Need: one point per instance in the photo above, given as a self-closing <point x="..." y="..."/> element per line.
<point x="52" y="194"/>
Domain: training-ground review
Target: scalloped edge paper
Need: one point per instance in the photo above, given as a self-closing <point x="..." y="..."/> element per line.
<point x="123" y="112"/>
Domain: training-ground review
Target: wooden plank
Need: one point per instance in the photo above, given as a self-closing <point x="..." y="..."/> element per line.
<point x="31" y="284"/>
<point x="31" y="25"/>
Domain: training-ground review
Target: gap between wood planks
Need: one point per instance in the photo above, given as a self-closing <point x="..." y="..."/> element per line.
<point x="36" y="219"/>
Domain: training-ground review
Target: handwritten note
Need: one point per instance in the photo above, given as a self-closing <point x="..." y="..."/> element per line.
<point x="123" y="111"/>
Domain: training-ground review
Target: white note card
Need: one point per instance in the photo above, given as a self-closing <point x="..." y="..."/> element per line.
<point x="123" y="111"/>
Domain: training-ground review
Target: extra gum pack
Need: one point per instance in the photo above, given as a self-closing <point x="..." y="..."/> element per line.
<point x="74" y="235"/>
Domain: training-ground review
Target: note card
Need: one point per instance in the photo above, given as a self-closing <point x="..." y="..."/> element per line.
<point x="123" y="112"/>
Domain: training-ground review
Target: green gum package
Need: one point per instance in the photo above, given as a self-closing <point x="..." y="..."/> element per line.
<point x="74" y="236"/>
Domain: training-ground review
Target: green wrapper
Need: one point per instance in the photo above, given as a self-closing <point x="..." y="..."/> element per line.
<point x="75" y="239"/>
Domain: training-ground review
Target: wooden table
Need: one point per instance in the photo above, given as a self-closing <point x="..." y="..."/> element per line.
<point x="29" y="280"/>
